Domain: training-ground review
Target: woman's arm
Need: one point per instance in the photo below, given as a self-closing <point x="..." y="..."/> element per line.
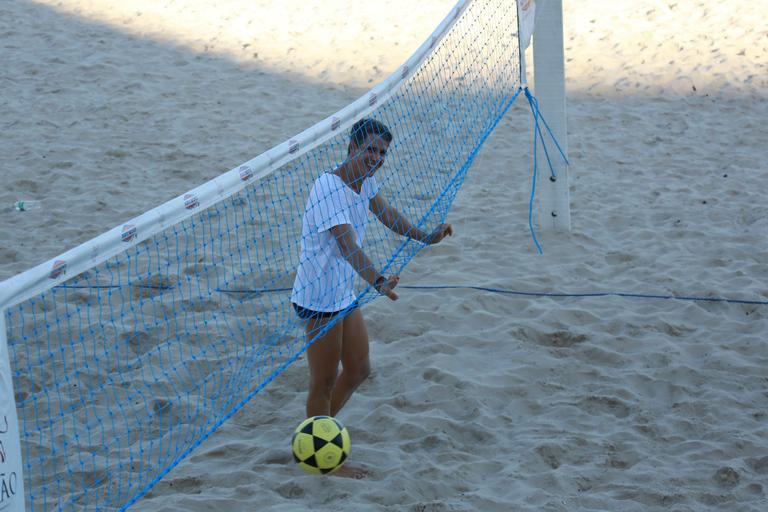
<point x="391" y="218"/>
<point x="354" y="255"/>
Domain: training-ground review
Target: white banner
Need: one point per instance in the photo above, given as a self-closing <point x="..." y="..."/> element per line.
<point x="11" y="482"/>
<point x="527" y="14"/>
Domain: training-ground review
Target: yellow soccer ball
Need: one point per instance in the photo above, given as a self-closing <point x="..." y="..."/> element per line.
<point x="320" y="445"/>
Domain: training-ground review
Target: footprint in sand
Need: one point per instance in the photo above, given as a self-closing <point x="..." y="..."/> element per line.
<point x="726" y="477"/>
<point x="440" y="377"/>
<point x="551" y="455"/>
<point x="201" y="269"/>
<point x="355" y="472"/>
<point x="200" y="305"/>
<point x="618" y="258"/>
<point x="561" y="339"/>
<point x="434" y="506"/>
<point x="187" y="485"/>
<point x="558" y="339"/>
<point x="760" y="466"/>
<point x="290" y="491"/>
<point x="605" y="404"/>
<point x="153" y="286"/>
<point x="140" y="342"/>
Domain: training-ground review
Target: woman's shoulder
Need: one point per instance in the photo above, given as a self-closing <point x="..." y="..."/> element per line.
<point x="326" y="182"/>
<point x="370" y="187"/>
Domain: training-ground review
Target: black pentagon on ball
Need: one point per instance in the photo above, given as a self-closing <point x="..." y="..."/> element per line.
<point x="338" y="441"/>
<point x="319" y="442"/>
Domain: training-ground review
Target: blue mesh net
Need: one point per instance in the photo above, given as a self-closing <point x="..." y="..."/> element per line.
<point x="121" y="371"/>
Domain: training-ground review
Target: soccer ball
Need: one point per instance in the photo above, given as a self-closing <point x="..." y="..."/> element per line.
<point x="320" y="445"/>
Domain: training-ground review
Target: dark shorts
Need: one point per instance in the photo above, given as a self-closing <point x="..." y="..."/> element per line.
<point x="308" y="314"/>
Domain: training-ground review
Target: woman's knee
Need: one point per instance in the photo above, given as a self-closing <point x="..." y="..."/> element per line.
<point x="359" y="371"/>
<point x="322" y="384"/>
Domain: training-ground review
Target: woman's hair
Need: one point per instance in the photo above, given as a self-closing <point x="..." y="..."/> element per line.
<point x="365" y="127"/>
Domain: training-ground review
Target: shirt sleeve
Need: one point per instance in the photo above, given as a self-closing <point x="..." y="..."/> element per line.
<point x="328" y="205"/>
<point x="371" y="187"/>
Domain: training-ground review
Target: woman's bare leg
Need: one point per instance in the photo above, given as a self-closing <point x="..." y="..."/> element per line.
<point x="323" y="357"/>
<point x="355" y="360"/>
<point x="345" y="342"/>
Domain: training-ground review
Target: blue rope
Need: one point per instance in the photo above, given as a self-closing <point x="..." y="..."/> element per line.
<point x="582" y="295"/>
<point x="535" y="106"/>
<point x="538" y="135"/>
<point x="535" y="167"/>
<point x="546" y="125"/>
<point x="502" y="291"/>
<point x="542" y="294"/>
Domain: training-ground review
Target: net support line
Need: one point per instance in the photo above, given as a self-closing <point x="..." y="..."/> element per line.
<point x="538" y="137"/>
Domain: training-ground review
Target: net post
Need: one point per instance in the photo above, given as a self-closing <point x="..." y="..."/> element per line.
<point x="11" y="476"/>
<point x="549" y="87"/>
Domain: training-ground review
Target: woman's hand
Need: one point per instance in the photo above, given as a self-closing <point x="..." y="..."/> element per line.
<point x="438" y="234"/>
<point x="385" y="286"/>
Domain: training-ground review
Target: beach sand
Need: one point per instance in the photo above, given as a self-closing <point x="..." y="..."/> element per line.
<point x="478" y="401"/>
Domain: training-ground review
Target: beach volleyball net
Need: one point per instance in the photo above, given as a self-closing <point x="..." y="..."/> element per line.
<point x="128" y="351"/>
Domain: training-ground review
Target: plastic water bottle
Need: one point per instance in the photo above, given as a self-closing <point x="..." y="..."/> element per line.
<point x="24" y="205"/>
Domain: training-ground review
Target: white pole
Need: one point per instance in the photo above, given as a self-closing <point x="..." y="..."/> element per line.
<point x="11" y="477"/>
<point x="549" y="88"/>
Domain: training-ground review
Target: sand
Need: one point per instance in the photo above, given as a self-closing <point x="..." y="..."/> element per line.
<point x="478" y="401"/>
